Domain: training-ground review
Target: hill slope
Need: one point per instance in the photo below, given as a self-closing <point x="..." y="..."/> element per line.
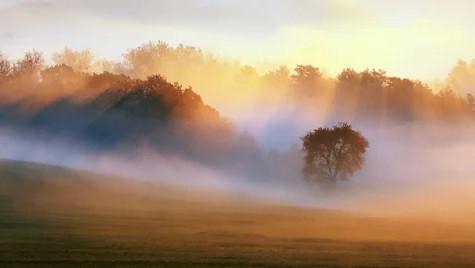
<point x="50" y="216"/>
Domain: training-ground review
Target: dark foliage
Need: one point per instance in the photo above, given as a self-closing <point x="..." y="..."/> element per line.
<point x="372" y="95"/>
<point x="114" y="112"/>
<point x="333" y="154"/>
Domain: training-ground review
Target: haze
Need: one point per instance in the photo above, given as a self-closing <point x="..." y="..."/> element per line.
<point x="416" y="39"/>
<point x="197" y="133"/>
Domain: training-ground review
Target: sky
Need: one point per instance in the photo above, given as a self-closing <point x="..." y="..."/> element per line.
<point x="417" y="39"/>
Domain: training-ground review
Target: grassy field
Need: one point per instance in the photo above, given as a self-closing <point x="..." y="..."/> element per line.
<point x="54" y="217"/>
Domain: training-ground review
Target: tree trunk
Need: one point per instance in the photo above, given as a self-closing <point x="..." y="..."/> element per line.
<point x="328" y="185"/>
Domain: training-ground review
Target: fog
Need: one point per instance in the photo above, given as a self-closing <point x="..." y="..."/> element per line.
<point x="421" y="142"/>
<point x="410" y="171"/>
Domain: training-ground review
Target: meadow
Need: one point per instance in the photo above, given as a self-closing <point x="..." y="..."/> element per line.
<point x="57" y="217"/>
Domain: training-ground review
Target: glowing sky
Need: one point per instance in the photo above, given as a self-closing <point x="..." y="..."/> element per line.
<point x="419" y="39"/>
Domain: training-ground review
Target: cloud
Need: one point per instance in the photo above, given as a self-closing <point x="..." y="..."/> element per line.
<point x="249" y="17"/>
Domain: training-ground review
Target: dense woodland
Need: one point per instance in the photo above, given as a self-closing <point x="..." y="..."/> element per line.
<point x="130" y="103"/>
<point x="115" y="112"/>
<point x="352" y="95"/>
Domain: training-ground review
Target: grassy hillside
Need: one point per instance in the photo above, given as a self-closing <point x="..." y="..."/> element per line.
<point x="55" y="217"/>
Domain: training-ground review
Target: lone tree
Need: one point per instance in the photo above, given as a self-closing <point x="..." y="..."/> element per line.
<point x="333" y="154"/>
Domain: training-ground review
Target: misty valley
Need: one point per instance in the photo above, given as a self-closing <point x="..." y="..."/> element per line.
<point x="292" y="146"/>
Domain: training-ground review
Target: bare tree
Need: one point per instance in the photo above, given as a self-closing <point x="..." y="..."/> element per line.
<point x="5" y="66"/>
<point x="32" y="62"/>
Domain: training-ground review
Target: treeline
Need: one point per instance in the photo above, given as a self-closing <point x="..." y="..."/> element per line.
<point x="115" y="112"/>
<point x="372" y="95"/>
<point x="130" y="104"/>
<point x="369" y="95"/>
<point x="351" y="95"/>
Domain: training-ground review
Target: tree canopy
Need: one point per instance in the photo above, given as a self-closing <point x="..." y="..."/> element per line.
<point x="370" y="96"/>
<point x="333" y="154"/>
